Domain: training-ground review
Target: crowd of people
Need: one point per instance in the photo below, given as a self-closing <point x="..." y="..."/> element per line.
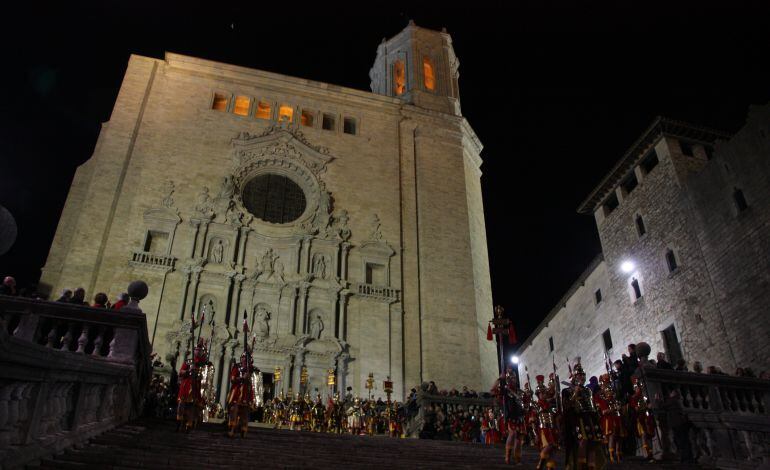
<point x="69" y="296"/>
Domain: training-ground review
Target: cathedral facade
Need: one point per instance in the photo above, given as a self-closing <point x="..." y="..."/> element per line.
<point x="684" y="223"/>
<point x="346" y="227"/>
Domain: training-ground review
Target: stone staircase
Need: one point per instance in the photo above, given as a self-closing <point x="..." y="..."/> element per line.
<point x="154" y="444"/>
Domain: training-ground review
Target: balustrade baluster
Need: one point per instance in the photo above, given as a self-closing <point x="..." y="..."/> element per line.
<point x="66" y="340"/>
<point x="51" y="338"/>
<point x="98" y="341"/>
<point x="83" y="339"/>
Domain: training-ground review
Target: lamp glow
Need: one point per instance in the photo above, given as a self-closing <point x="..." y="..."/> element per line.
<point x="627" y="267"/>
<point x="515" y="359"/>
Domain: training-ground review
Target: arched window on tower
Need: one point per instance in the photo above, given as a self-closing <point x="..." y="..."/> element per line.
<point x="428" y="77"/>
<point x="399" y="78"/>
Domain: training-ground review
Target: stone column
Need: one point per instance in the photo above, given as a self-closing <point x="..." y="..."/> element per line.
<point x="344" y="261"/>
<point x="303" y="290"/>
<point x="195" y="224"/>
<point x="299" y="361"/>
<point x="203" y="241"/>
<point x="239" y="278"/>
<point x="293" y="312"/>
<point x="193" y="272"/>
<point x="334" y="300"/>
<point x="244" y="235"/>
<point x="343" y="328"/>
<point x="230" y="305"/>
<point x="342" y="372"/>
<point x="306" y="261"/>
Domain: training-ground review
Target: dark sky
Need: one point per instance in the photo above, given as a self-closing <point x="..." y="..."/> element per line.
<point x="555" y="94"/>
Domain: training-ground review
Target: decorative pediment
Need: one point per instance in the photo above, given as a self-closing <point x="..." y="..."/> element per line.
<point x="279" y="142"/>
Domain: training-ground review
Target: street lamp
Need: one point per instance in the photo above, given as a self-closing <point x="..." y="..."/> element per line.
<point x="627" y="266"/>
<point x="515" y="359"/>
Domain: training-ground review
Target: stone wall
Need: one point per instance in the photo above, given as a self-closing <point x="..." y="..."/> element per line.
<point x="716" y="297"/>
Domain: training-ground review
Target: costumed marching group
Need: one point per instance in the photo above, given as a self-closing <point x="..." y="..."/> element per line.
<point x="589" y="422"/>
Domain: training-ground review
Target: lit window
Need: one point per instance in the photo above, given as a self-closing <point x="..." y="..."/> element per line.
<point x="740" y="200"/>
<point x="671" y="261"/>
<point x="307" y="118"/>
<point x="263" y="110"/>
<point x="328" y="122"/>
<point x="242" y="104"/>
<point x="427" y="74"/>
<point x="399" y="78"/>
<point x="640" y="228"/>
<point x="285" y="113"/>
<point x="220" y="102"/>
<point x="349" y="126"/>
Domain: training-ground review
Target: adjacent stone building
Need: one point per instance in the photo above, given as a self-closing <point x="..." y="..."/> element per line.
<point x="684" y="223"/>
<point x="347" y="227"/>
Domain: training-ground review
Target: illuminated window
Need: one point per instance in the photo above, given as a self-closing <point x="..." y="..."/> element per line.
<point x="429" y="80"/>
<point x="242" y="104"/>
<point x="263" y="110"/>
<point x="285" y="113"/>
<point x="220" y="102"/>
<point x="349" y="126"/>
<point x="307" y="118"/>
<point x="328" y="122"/>
<point x="399" y="78"/>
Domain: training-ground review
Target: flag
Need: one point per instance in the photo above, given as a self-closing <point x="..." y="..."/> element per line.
<point x="489" y="332"/>
<point x="512" y="335"/>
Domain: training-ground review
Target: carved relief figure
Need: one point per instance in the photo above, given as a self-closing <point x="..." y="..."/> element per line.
<point x="278" y="270"/>
<point x="376" y="229"/>
<point x="168" y="200"/>
<point x="316" y="326"/>
<point x="261" y="324"/>
<point x="227" y="188"/>
<point x="234" y="216"/>
<point x="342" y="225"/>
<point x="323" y="216"/>
<point x="268" y="262"/>
<point x="217" y="252"/>
<point x="204" y="204"/>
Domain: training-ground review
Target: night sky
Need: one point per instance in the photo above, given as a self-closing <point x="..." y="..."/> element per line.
<point x="556" y="95"/>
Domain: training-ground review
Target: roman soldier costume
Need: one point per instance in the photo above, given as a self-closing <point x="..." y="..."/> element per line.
<point x="296" y="413"/>
<point x="586" y="433"/>
<point x="318" y="413"/>
<point x="355" y="417"/>
<point x="188" y="396"/>
<point x="609" y="416"/>
<point x="240" y="400"/>
<point x="546" y="408"/>
<point x="645" y="426"/>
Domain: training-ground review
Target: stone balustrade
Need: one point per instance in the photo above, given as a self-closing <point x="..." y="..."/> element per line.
<point x="730" y="415"/>
<point x="67" y="373"/>
<point x="152" y="260"/>
<point x="384" y="293"/>
<point x="447" y="404"/>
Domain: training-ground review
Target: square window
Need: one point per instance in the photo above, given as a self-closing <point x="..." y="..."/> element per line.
<point x="328" y="122"/>
<point x="307" y="118"/>
<point x="611" y="203"/>
<point x="630" y="183"/>
<point x="156" y="242"/>
<point x="220" y="102"/>
<point x="349" y="126"/>
<point x="375" y="274"/>
<point x="242" y="104"/>
<point x="285" y="113"/>
<point x="607" y="339"/>
<point x="650" y="161"/>
<point x="686" y="148"/>
<point x="263" y="110"/>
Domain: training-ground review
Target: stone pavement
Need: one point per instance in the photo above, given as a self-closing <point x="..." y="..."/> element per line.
<point x="155" y="444"/>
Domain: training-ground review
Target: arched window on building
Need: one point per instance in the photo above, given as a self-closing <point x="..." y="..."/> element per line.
<point x="399" y="78"/>
<point x="428" y="77"/>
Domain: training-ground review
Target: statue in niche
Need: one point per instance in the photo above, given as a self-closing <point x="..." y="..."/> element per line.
<point x="261" y="325"/>
<point x="227" y="189"/>
<point x="204" y="204"/>
<point x="217" y="252"/>
<point x="168" y="200"/>
<point x="320" y="266"/>
<point x="376" y="229"/>
<point x="316" y="326"/>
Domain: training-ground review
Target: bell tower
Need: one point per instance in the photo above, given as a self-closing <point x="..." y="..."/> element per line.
<point x="419" y="66"/>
